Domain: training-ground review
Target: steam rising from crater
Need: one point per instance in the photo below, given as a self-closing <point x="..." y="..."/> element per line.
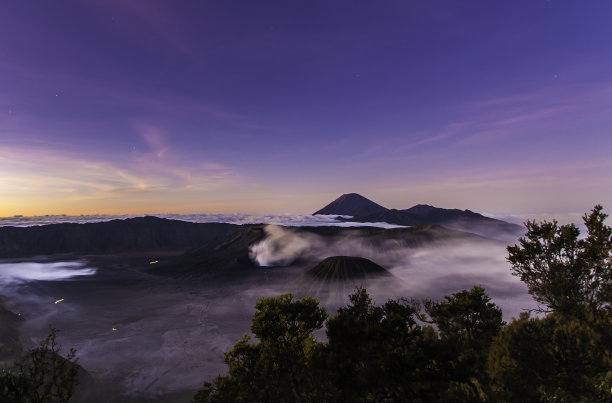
<point x="283" y="246"/>
<point x="432" y="270"/>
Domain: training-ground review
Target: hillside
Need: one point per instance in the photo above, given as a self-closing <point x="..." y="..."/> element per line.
<point x="224" y="256"/>
<point x="10" y="347"/>
<point x="130" y="235"/>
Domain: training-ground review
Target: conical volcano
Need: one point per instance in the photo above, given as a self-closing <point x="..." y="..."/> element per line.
<point x="342" y="268"/>
<point x="352" y="204"/>
<point x="335" y="278"/>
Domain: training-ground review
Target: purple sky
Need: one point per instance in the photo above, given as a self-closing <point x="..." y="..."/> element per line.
<point x="116" y="106"/>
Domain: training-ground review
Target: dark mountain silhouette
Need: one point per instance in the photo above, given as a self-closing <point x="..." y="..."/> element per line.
<point x="435" y="215"/>
<point x="130" y="235"/>
<point x="466" y="220"/>
<point x="364" y="210"/>
<point x="461" y="220"/>
<point x="351" y="204"/>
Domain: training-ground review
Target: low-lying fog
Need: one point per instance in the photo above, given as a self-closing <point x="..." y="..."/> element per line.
<point x="292" y="220"/>
<point x="432" y="271"/>
<point x="155" y="335"/>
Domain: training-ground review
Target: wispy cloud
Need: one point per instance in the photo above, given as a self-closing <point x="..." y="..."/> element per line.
<point x="154" y="139"/>
<point x="525" y="114"/>
<point x="60" y="177"/>
<point x="489" y="120"/>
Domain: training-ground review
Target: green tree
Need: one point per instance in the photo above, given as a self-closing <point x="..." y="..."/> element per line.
<point x="468" y="322"/>
<point x="564" y="356"/>
<point x="279" y="367"/>
<point x="44" y="376"/>
<point x="466" y="315"/>
<point x="381" y="353"/>
<point x="562" y="271"/>
<point x="373" y="354"/>
<point x="553" y="359"/>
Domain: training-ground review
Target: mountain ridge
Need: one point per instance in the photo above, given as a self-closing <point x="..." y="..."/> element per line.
<point x="139" y="234"/>
<point x="420" y="214"/>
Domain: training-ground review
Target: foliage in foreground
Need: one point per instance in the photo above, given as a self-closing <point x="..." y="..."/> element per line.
<point x="387" y="354"/>
<point x="553" y="359"/>
<point x="562" y="271"/>
<point x="43" y="376"/>
<point x="457" y="349"/>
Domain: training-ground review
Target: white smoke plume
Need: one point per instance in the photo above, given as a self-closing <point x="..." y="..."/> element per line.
<point x="283" y="246"/>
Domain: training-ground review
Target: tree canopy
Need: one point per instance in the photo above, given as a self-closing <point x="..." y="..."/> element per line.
<point x="278" y="367"/>
<point x="456" y="349"/>
<point x="42" y="376"/>
<point x="562" y="271"/>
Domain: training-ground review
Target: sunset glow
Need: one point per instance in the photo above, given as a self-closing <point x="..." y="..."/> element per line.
<point x="158" y="107"/>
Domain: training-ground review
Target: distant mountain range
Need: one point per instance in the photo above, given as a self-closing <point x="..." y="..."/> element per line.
<point x="364" y="210"/>
<point x="224" y="248"/>
<point x="203" y="247"/>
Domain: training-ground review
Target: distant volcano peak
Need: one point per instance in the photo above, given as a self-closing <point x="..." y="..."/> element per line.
<point x="352" y="204"/>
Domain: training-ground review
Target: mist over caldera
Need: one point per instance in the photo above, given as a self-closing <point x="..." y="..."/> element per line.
<point x="151" y="303"/>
